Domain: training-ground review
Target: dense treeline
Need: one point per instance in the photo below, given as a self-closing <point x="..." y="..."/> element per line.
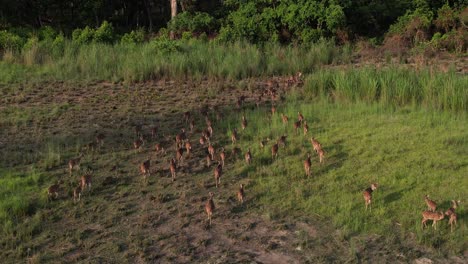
<point x="255" y="20"/>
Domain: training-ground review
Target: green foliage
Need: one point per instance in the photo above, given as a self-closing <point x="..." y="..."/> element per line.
<point x="311" y="35"/>
<point x="419" y="19"/>
<point x="335" y="17"/>
<point x="10" y="41"/>
<point x="446" y="18"/>
<point x="47" y="33"/>
<point x="197" y="22"/>
<point x="83" y="36"/>
<point x="135" y="36"/>
<point x="105" y="33"/>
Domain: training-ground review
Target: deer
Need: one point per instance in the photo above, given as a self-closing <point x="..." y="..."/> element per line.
<point x="434" y="216"/>
<point x="172" y="168"/>
<point x="297" y="125"/>
<point x="315" y="144"/>
<point x="430" y="204"/>
<point x="368" y="194"/>
<point x="187" y="116"/>
<point x="273" y="110"/>
<point x="321" y="154"/>
<point x="210" y="207"/>
<point x="145" y="170"/>
<point x="100" y="139"/>
<point x="180" y="138"/>
<point x="248" y="157"/>
<point x="300" y="117"/>
<point x="154" y="131"/>
<point x="208" y="160"/>
<point x="285" y="119"/>
<point x="77" y="193"/>
<point x="53" y="191"/>
<point x="452" y="215"/>
<point x="282" y="141"/>
<point x="218" y="171"/>
<point x="85" y="182"/>
<point x="158" y="148"/>
<point x="305" y="127"/>
<point x="307" y="165"/>
<point x="74" y="163"/>
<point x="244" y="122"/>
<point x="179" y="156"/>
<point x="241" y="194"/>
<point x="210" y="130"/>
<point x="138" y="129"/>
<point x="206" y="134"/>
<point x="211" y="150"/>
<point x="192" y="126"/>
<point x="138" y="144"/>
<point x="274" y="151"/>
<point x="235" y="152"/>
<point x="234" y="136"/>
<point x="188" y="147"/>
<point x="264" y="142"/>
<point x="222" y="156"/>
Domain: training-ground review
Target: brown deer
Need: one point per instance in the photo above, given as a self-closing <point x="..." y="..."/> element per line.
<point x="154" y="132"/>
<point x="192" y="126"/>
<point x="300" y="117"/>
<point x="241" y="194"/>
<point x="315" y="144"/>
<point x="74" y="163"/>
<point x="434" y="216"/>
<point x="179" y="139"/>
<point x="248" y="157"/>
<point x="187" y="116"/>
<point x="282" y="140"/>
<point x="211" y="150"/>
<point x="210" y="207"/>
<point x="172" y="168"/>
<point x="305" y="127"/>
<point x="188" y="147"/>
<point x="85" y="182"/>
<point x="321" y="154"/>
<point x="202" y="140"/>
<point x="218" y="171"/>
<point x="138" y="129"/>
<point x="274" y="151"/>
<point x="210" y="131"/>
<point x="452" y="215"/>
<point x="368" y="194"/>
<point x="307" y="165"/>
<point x="53" y="191"/>
<point x="179" y="156"/>
<point x="234" y="136"/>
<point x="222" y="156"/>
<point x="244" y="122"/>
<point x="430" y="204"/>
<point x="297" y="125"/>
<point x="138" y="143"/>
<point x="145" y="170"/>
<point x="77" y="193"/>
<point x="100" y="139"/>
<point x="208" y="160"/>
<point x="158" y="148"/>
<point x="285" y="119"/>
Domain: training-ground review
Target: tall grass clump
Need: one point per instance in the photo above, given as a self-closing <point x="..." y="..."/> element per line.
<point x="391" y="86"/>
<point x="62" y="59"/>
<point x="20" y="196"/>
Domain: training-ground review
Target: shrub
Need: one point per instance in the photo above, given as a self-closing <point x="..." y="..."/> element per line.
<point x="47" y="33"/>
<point x="446" y="18"/>
<point x="10" y="41"/>
<point x="105" y="33"/>
<point x="311" y="35"/>
<point x="135" y="36"/>
<point x="83" y="36"/>
<point x="164" y="45"/>
<point x="197" y="22"/>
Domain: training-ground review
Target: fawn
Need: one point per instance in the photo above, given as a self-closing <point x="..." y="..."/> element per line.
<point x="53" y="191"/>
<point x="85" y="182"/>
<point x="234" y="136"/>
<point x="321" y="154"/>
<point x="210" y="207"/>
<point x="305" y="127"/>
<point x="274" y="151"/>
<point x="77" y="193"/>
<point x="222" y="156"/>
<point x="368" y="194"/>
<point x="218" y="171"/>
<point x="248" y="157"/>
<point x="172" y="168"/>
<point x="74" y="163"/>
<point x="430" y="204"/>
<point x="241" y="194"/>
<point x="284" y="118"/>
<point x="307" y="165"/>
<point x="315" y="144"/>
<point x="244" y="122"/>
<point x="297" y="125"/>
<point x="145" y="170"/>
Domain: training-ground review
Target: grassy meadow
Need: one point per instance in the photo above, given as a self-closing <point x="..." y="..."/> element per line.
<point x="405" y="129"/>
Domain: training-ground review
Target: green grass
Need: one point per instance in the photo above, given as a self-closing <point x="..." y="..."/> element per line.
<point x="409" y="152"/>
<point x="394" y="86"/>
<point x="194" y="59"/>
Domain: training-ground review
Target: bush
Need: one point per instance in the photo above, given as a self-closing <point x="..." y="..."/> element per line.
<point x="105" y="33"/>
<point x="446" y="18"/>
<point x="83" y="36"/>
<point x="165" y="45"/>
<point x="47" y="33"/>
<point x="135" y="36"/>
<point x="311" y="35"/>
<point x="198" y="22"/>
<point x="10" y="41"/>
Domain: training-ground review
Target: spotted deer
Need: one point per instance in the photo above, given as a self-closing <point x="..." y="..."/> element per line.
<point x="368" y="194"/>
<point x="210" y="207"/>
<point x="307" y="165"/>
<point x="434" y="216"/>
